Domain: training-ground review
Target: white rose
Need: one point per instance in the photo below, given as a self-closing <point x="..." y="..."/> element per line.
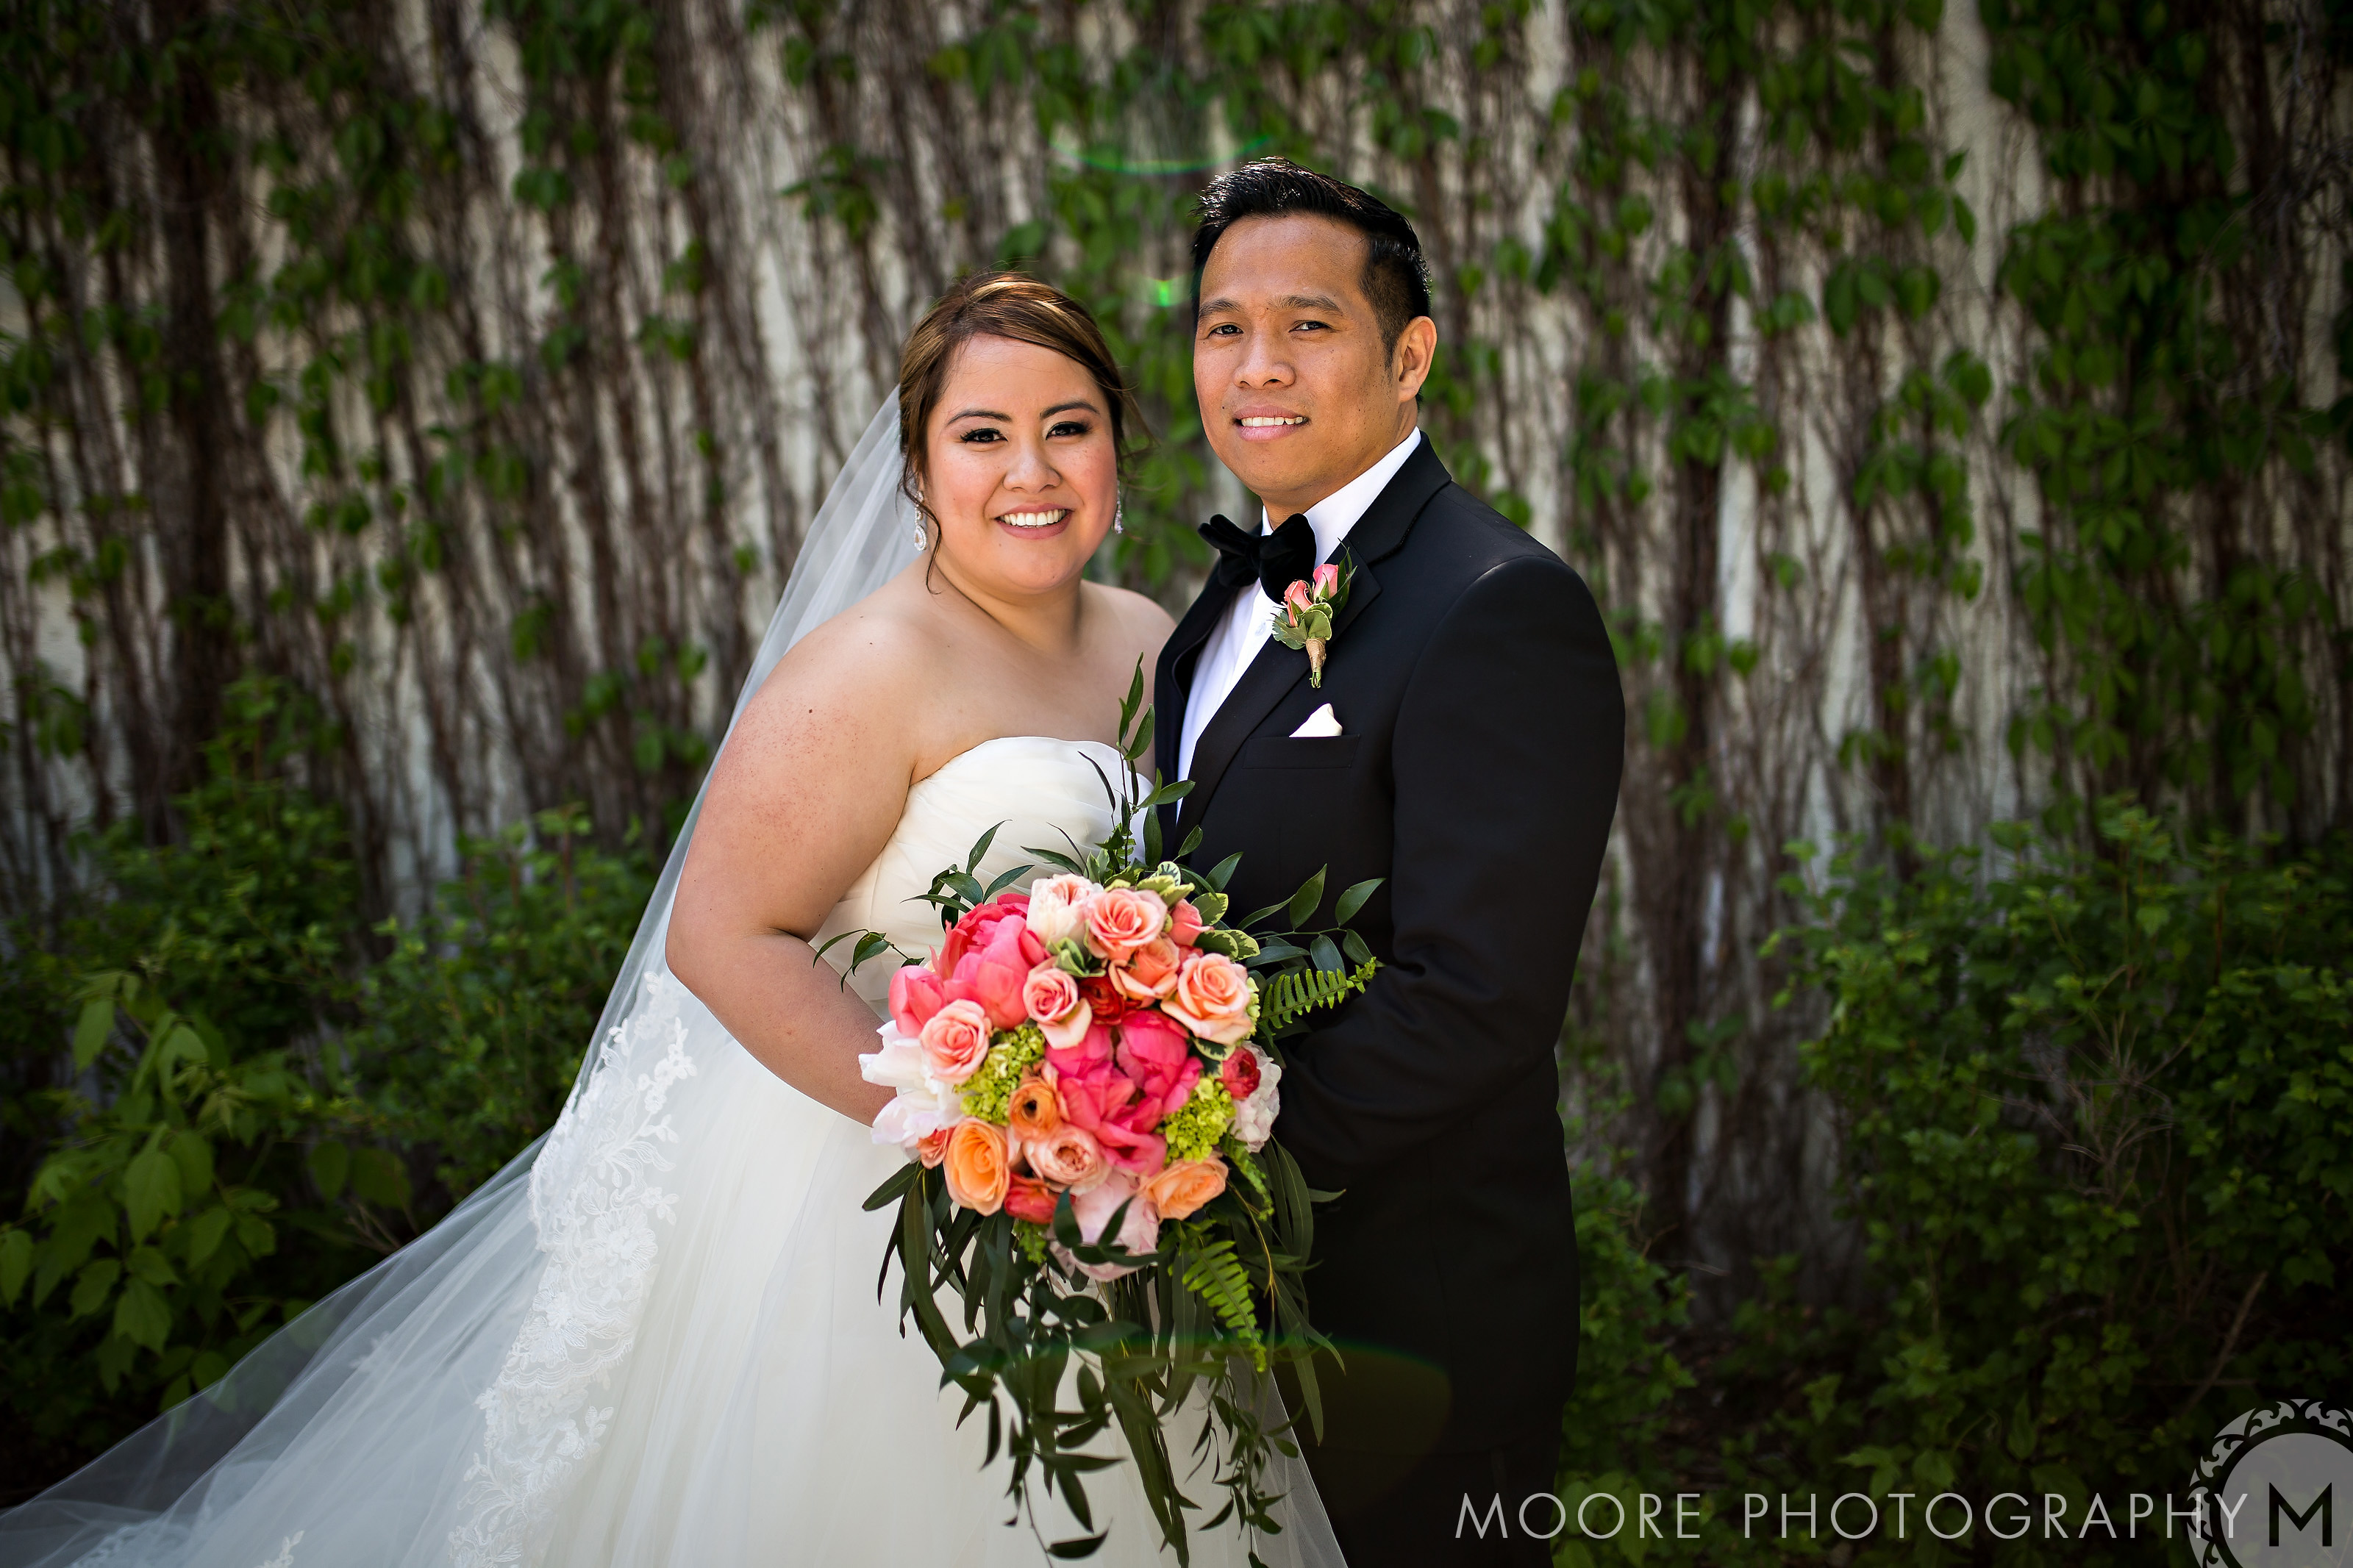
<point x="1054" y="905"/>
<point x="1254" y="1117"/>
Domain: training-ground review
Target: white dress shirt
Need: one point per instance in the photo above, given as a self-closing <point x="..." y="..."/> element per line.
<point x="1236" y="639"/>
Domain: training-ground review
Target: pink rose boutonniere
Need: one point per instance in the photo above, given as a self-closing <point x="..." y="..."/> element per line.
<point x="1309" y="607"/>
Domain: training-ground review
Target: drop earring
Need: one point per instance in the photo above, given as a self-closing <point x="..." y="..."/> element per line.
<point x="1118" y="512"/>
<point x="923" y="537"/>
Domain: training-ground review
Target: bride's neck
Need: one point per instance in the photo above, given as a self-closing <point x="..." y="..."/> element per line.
<point x="1046" y="623"/>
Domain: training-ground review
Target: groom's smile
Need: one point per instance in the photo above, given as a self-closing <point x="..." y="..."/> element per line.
<point x="1302" y="385"/>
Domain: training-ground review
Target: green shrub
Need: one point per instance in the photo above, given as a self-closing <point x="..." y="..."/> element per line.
<point x="473" y="1028"/>
<point x="2093" y="1108"/>
<point x="173" y="1125"/>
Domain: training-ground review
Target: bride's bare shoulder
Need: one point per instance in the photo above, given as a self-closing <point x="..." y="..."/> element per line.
<point x="861" y="674"/>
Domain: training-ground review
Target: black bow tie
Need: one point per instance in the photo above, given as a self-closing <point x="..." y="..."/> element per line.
<point x="1274" y="561"/>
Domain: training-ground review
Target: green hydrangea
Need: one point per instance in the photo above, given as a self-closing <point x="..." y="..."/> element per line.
<point x="988" y="1093"/>
<point x="1032" y="1239"/>
<point x="1193" y="1129"/>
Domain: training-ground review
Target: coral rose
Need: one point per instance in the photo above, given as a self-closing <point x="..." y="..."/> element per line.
<point x="1149" y="973"/>
<point x="1057" y="907"/>
<point x="1121" y="920"/>
<point x="978" y="1165"/>
<point x="1299" y="596"/>
<point x="1104" y="1004"/>
<point x="1240" y="1074"/>
<point x="1052" y="997"/>
<point x="933" y="1147"/>
<point x="1328" y="579"/>
<point x="1185" y="1186"/>
<point x="955" y="1041"/>
<point x="1028" y="1198"/>
<point x="1034" y="1110"/>
<point x="916" y="995"/>
<point x="1185" y="924"/>
<point x="1212" y="998"/>
<point x="1069" y="1157"/>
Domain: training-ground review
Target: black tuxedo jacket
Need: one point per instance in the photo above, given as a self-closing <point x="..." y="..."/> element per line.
<point x="1477" y="773"/>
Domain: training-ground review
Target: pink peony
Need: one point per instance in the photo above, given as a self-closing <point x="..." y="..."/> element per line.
<point x="1139" y="1233"/>
<point x="1121" y="920"/>
<point x="954" y="1041"/>
<point x="1212" y="998"/>
<point x="916" y="995"/>
<point x="1150" y="971"/>
<point x="988" y="959"/>
<point x="1052" y="997"/>
<point x="1240" y="1074"/>
<point x="1159" y="1061"/>
<point x="1106" y="1102"/>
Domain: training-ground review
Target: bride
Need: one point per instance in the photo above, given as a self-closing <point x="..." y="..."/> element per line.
<point x="655" y="1339"/>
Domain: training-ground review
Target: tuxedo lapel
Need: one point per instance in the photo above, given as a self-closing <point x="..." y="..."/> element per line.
<point x="1173" y="684"/>
<point x="1276" y="669"/>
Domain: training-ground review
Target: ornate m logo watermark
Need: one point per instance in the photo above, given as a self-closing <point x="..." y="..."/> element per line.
<point x="2277" y="1490"/>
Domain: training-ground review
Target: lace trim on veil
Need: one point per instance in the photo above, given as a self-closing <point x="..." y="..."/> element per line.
<point x="595" y="1200"/>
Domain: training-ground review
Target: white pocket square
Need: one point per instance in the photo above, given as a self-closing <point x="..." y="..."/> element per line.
<point x="1320" y="723"/>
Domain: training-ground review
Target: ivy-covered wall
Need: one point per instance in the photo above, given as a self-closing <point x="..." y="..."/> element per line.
<point x="1949" y="407"/>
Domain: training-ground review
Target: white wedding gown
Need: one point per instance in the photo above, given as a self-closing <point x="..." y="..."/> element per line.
<point x="673" y="1353"/>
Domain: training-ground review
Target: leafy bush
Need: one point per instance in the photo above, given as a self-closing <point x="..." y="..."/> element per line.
<point x="2093" y="1107"/>
<point x="175" y="1155"/>
<point x="473" y="1028"/>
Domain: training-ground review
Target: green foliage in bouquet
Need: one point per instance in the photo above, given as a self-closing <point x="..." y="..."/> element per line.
<point x="1202" y="1319"/>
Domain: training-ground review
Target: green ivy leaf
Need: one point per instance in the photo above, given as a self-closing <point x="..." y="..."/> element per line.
<point x="151" y="1190"/>
<point x="142" y="1316"/>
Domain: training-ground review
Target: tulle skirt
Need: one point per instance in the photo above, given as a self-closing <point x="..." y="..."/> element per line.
<point x="654" y="1339"/>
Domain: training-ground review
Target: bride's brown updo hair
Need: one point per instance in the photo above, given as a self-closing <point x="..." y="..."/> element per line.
<point x="1002" y="305"/>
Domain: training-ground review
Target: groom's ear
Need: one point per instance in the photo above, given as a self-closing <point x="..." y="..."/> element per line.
<point x="1410" y="357"/>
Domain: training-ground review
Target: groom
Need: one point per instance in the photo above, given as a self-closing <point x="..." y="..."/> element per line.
<point x="1464" y="746"/>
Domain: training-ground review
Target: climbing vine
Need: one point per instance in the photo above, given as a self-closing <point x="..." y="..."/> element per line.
<point x="1944" y="441"/>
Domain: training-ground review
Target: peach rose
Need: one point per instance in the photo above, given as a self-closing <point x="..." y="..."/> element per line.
<point x="954" y="1041"/>
<point x="1299" y="596"/>
<point x="1212" y="998"/>
<point x="1185" y="924"/>
<point x="978" y="1168"/>
<point x="933" y="1147"/>
<point x="1149" y="973"/>
<point x="1051" y="996"/>
<point x="1185" y="1185"/>
<point x="1034" y="1110"/>
<point x="1057" y="907"/>
<point x="1121" y="920"/>
<point x="1069" y="1157"/>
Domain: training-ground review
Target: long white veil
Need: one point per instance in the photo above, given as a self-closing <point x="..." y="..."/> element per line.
<point x="383" y="1366"/>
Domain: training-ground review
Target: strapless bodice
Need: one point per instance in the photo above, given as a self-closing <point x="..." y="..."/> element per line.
<point x="1039" y="788"/>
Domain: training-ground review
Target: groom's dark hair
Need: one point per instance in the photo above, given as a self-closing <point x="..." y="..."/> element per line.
<point x="1396" y="280"/>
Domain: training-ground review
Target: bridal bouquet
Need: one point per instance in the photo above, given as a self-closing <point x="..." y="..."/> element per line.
<point x="1087" y="1081"/>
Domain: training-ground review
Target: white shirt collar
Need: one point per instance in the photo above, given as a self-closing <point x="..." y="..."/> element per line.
<point x="1336" y="513"/>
